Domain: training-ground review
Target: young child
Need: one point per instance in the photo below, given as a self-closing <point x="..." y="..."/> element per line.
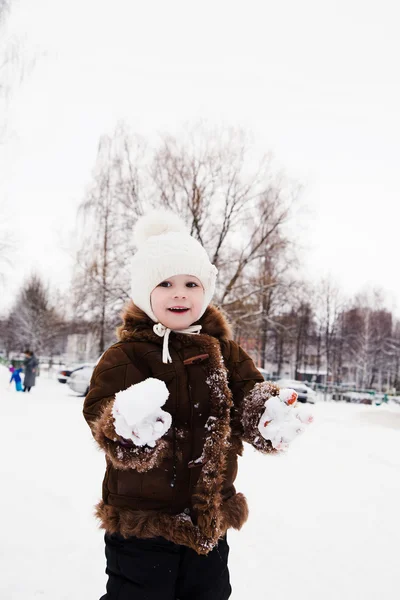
<point x="16" y="377"/>
<point x="170" y="404"/>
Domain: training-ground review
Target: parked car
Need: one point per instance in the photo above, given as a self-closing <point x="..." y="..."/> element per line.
<point x="305" y="393"/>
<point x="264" y="373"/>
<point x="361" y="397"/>
<point x="79" y="379"/>
<point x="65" y="372"/>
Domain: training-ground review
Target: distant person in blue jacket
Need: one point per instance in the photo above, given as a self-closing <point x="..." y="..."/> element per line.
<point x="16" y="377"/>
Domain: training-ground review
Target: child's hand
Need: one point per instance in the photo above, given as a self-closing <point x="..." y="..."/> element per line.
<point x="138" y="415"/>
<point x="147" y="432"/>
<point x="283" y="419"/>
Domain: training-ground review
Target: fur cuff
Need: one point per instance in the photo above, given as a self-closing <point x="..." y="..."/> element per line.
<point x="235" y="512"/>
<point x="253" y="408"/>
<point x="123" y="456"/>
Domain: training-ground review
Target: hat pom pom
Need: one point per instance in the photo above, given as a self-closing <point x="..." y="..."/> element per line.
<point x="157" y="222"/>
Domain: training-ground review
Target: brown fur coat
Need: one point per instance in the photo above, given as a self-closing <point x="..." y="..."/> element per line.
<point x="183" y="488"/>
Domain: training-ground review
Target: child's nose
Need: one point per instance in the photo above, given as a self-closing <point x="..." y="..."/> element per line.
<point x="180" y="293"/>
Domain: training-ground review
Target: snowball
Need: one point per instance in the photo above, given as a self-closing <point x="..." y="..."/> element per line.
<point x="281" y="422"/>
<point x="275" y="409"/>
<point x="138" y="415"/>
<point x="151" y="429"/>
<point x="140" y="400"/>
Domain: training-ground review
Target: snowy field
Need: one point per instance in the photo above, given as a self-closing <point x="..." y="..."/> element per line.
<point x="324" y="519"/>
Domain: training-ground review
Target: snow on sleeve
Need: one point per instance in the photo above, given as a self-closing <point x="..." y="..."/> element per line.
<point x="138" y="415"/>
<point x="282" y="419"/>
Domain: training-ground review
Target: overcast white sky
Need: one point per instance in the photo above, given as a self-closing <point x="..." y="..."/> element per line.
<point x="318" y="84"/>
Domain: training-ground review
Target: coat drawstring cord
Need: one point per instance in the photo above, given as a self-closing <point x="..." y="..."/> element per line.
<point x="164" y="332"/>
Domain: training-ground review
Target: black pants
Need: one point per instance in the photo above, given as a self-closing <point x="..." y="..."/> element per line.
<point x="27" y="389"/>
<point x="157" y="569"/>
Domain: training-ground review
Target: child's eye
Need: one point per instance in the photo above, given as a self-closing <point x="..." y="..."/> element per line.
<point x="191" y="284"/>
<point x="164" y="284"/>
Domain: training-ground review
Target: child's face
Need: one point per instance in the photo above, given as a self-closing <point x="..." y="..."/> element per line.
<point x="177" y="301"/>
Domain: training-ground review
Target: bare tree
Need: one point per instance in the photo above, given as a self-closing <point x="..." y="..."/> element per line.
<point x="14" y="61"/>
<point x="368" y="338"/>
<point x="328" y="304"/>
<point x="108" y="211"/>
<point x="262" y="298"/>
<point x="33" y="321"/>
<point x="6" y="244"/>
<point x="201" y="177"/>
<point x="235" y="210"/>
<point x="13" y="67"/>
<point x="393" y="355"/>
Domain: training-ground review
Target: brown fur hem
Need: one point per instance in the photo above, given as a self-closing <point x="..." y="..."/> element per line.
<point x="139" y="458"/>
<point x="178" y="529"/>
<point x="253" y="407"/>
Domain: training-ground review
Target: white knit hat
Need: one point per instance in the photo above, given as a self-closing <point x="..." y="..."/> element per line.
<point x="166" y="248"/>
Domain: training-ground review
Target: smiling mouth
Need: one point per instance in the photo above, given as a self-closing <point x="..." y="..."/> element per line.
<point x="178" y="309"/>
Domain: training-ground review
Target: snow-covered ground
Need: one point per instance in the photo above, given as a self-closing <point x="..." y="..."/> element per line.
<point x="324" y="519"/>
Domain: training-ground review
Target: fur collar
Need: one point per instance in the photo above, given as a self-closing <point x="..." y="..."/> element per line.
<point x="136" y="323"/>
